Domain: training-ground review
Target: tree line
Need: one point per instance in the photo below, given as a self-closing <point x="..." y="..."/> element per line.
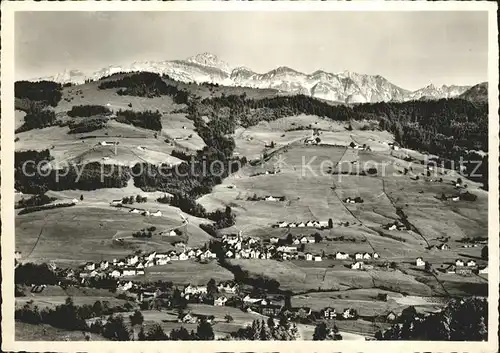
<point x="463" y="319"/>
<point x="146" y="84"/>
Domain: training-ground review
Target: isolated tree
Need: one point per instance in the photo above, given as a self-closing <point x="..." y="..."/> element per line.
<point x="228" y="318"/>
<point x="255" y="331"/>
<point x="289" y="238"/>
<point x="136" y="319"/>
<point x="156" y="333"/>
<point x="141" y="336"/>
<point x="330" y="223"/>
<point x="212" y="287"/>
<point x="265" y="332"/>
<point x="288" y="301"/>
<point x="320" y="332"/>
<point x="81" y="197"/>
<point x="116" y="330"/>
<point x="204" y="331"/>
<point x="484" y="252"/>
<point x="270" y="322"/>
<point x="317" y="237"/>
<point x="459" y="181"/>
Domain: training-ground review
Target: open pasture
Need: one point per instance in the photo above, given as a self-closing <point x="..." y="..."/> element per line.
<point x="29" y="332"/>
<point x="85" y="233"/>
<point x="91" y="94"/>
<point x="182" y="273"/>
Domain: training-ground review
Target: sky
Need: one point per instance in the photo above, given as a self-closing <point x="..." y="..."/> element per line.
<point x="410" y="49"/>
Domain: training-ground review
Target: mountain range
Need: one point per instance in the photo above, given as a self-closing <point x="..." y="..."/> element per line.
<point x="345" y="87"/>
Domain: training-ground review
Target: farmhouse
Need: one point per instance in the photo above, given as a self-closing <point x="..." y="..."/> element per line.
<point x="341" y="256"/>
<point x="283" y="224"/>
<point x="357" y="265"/>
<point x="366" y="256"/>
<point x="483" y="270"/>
<point x="189" y="289"/>
<point x="116" y="203"/>
<point x="183" y="256"/>
<point x="459" y="263"/>
<point x="132" y="260"/>
<point x="419" y="262"/>
<point x="349" y="314"/>
<point x="317" y="258"/>
<point x="156" y="214"/>
<point x="309" y="256"/>
<point x="162" y="261"/>
<point x="443" y="246"/>
<point x="329" y="313"/>
<point x="358" y="256"/>
<point x="115" y="274"/>
<point x="90" y="266"/>
<point x="250" y="300"/>
<point x="228" y="287"/>
<point x="271" y="309"/>
<point x="104" y="265"/>
<point x="274" y="240"/>
<point x="471" y="263"/>
<point x="187" y="318"/>
<point x="271" y="198"/>
<point x="135" y="210"/>
<point x="125" y="286"/>
<point x="208" y="254"/>
<point x="220" y="301"/>
<point x="376" y="255"/>
<point x="464" y="270"/>
<point x="391" y="317"/>
<point x="129" y="271"/>
<point x="301" y="224"/>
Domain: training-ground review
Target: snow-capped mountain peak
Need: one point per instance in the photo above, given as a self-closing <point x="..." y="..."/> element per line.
<point x="345" y="86"/>
<point x="210" y="60"/>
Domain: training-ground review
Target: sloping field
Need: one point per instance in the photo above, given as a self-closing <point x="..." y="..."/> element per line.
<point x="298" y="279"/>
<point x="90" y="94"/>
<point x="85" y="232"/>
<point x="29" y="332"/>
<point x="184" y="272"/>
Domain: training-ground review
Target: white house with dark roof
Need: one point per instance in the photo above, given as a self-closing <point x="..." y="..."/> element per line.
<point x="358" y="265"/>
<point x="471" y="263"/>
<point x="419" y="262"/>
<point x="115" y="273"/>
<point x="274" y="240"/>
<point x="459" y="263"/>
<point x="341" y="256"/>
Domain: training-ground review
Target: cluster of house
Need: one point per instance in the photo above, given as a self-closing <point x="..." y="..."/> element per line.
<point x="309" y="224"/>
<point x="235" y="246"/>
<point x="134" y="265"/>
<point x="459" y="267"/>
<point x="269" y="307"/>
